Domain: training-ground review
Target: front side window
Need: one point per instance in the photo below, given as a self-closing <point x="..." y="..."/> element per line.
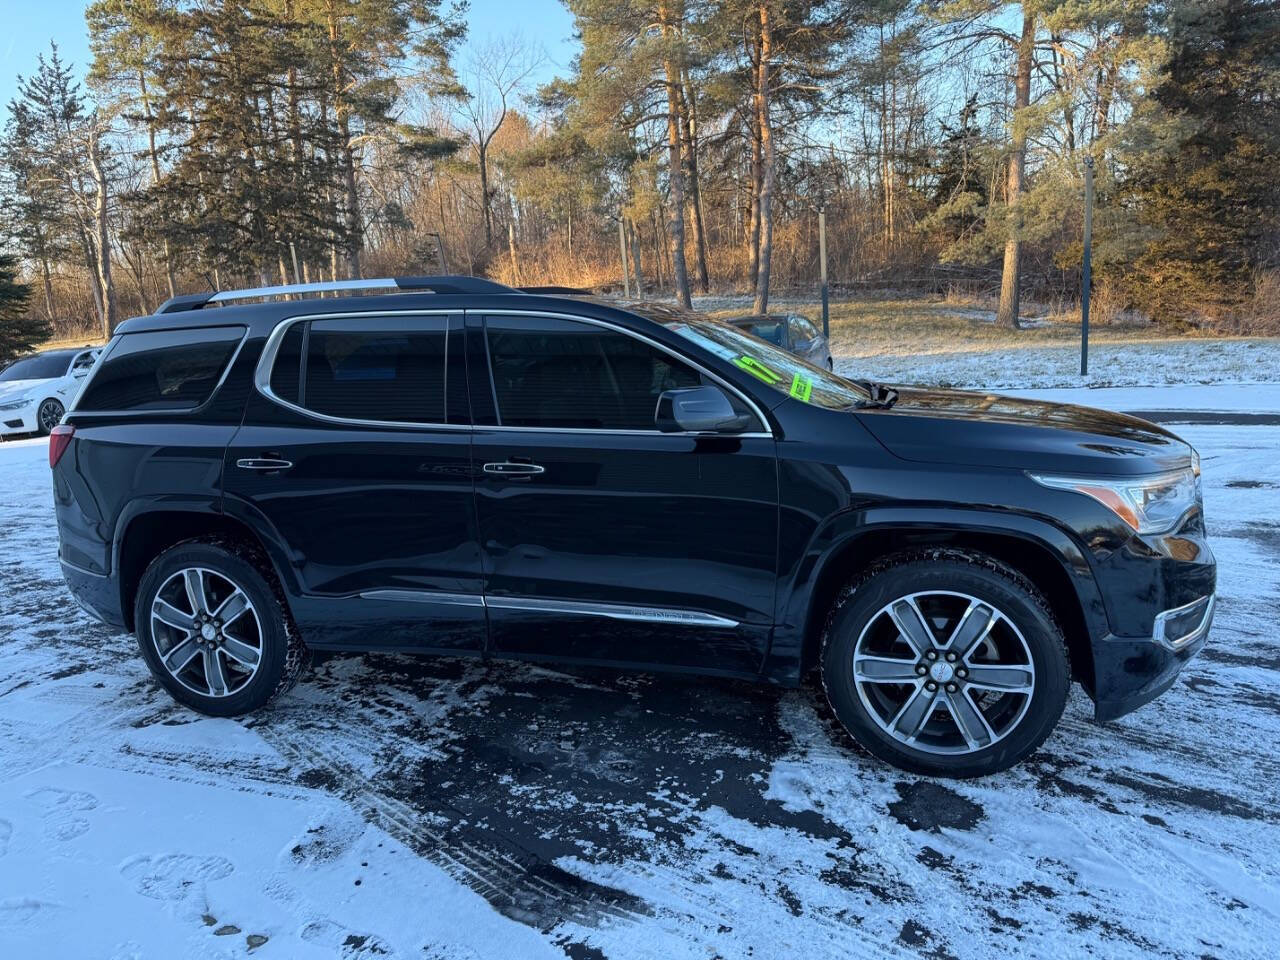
<point x="566" y="374"/>
<point x="164" y="370"/>
<point x="771" y="365"/>
<point x="384" y="369"/>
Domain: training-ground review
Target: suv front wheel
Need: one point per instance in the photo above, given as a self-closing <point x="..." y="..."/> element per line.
<point x="214" y="631"/>
<point x="946" y="663"/>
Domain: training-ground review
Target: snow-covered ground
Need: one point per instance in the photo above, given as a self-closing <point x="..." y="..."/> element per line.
<point x="1111" y="364"/>
<point x="421" y="808"/>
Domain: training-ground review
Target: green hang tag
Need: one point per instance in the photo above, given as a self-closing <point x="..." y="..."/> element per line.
<point x="801" y="388"/>
<point x="758" y="369"/>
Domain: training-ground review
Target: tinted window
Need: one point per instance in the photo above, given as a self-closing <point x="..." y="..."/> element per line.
<point x="42" y="366"/>
<point x="802" y="328"/>
<point x="286" y="373"/>
<point x="386" y="368"/>
<point x="564" y="374"/>
<point x="170" y="370"/>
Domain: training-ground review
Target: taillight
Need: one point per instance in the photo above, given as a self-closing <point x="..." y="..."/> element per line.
<point x="59" y="439"/>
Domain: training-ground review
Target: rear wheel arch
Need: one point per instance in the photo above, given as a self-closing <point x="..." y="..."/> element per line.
<point x="148" y="533"/>
<point x="1033" y="559"/>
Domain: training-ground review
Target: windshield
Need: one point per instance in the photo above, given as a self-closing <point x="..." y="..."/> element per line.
<point x="771" y="365"/>
<point x="42" y="366"/>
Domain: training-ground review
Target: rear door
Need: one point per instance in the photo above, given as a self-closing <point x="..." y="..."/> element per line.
<point x="355" y="452"/>
<point x="604" y="539"/>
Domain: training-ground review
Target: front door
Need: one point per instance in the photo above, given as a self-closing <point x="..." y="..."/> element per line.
<point x="604" y="539"/>
<point x="356" y="452"/>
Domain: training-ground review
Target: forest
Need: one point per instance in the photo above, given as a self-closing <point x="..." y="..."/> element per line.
<point x="223" y="143"/>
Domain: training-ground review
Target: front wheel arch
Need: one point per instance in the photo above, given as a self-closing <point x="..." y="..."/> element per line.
<point x="851" y="556"/>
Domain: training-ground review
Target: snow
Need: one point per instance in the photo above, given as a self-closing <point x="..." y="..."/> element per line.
<point x="414" y="807"/>
<point x="1111" y="364"/>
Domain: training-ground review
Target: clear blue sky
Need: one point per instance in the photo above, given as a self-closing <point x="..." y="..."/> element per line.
<point x="29" y="25"/>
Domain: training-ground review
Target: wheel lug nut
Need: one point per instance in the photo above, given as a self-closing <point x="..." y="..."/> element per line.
<point x="932" y="654"/>
<point x="951" y="655"/>
<point x="931" y="686"/>
<point x="962" y="672"/>
<point x="921" y="669"/>
<point x="952" y="688"/>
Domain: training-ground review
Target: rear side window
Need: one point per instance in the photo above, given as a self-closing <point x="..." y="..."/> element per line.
<point x="562" y="374"/>
<point x="389" y="369"/>
<point x="165" y="370"/>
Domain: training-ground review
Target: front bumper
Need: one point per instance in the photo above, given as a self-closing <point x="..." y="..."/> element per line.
<point x="21" y="420"/>
<point x="1130" y="672"/>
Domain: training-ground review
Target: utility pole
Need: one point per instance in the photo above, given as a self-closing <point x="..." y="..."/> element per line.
<point x="1087" y="267"/>
<point x="822" y="260"/>
<point x="626" y="265"/>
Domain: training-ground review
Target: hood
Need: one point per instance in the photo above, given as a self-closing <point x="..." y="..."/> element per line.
<point x="986" y="429"/>
<point x="11" y="389"/>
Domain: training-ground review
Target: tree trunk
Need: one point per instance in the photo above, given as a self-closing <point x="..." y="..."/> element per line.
<point x="688" y="124"/>
<point x="675" y="165"/>
<point x="110" y="307"/>
<point x="637" y="274"/>
<point x="47" y="280"/>
<point x="482" y="154"/>
<point x="753" y="234"/>
<point x="1010" y="280"/>
<point x="341" y="113"/>
<point x="769" y="159"/>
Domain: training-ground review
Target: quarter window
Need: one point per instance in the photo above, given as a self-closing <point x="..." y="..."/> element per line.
<point x="169" y="370"/>
<point x="564" y="374"/>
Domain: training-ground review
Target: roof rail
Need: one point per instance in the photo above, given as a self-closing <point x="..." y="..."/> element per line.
<point x="554" y="289"/>
<point x="441" y="285"/>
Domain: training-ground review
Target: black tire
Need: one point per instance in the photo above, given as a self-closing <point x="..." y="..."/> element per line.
<point x="948" y="572"/>
<point x="282" y="652"/>
<point x="48" y="415"/>
<point x="831" y="365"/>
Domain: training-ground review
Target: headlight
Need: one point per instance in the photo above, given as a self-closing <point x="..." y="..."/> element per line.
<point x="1152" y="504"/>
<point x="15" y="404"/>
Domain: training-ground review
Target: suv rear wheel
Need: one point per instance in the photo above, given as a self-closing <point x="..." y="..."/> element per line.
<point x="214" y="630"/>
<point x="945" y="663"/>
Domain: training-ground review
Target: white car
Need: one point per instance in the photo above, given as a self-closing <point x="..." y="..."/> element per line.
<point x="36" y="390"/>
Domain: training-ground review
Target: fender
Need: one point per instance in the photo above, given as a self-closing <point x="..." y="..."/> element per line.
<point x="206" y="504"/>
<point x="916" y="523"/>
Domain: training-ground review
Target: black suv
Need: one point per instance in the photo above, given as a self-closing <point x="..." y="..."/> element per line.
<point x="465" y="468"/>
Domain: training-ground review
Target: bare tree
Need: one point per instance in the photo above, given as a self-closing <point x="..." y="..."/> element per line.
<point x="494" y="75"/>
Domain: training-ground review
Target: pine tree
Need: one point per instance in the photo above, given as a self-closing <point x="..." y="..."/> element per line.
<point x="20" y="329"/>
<point x="1204" y="181"/>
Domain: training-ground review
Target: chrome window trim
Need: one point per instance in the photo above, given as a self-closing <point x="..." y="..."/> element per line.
<point x="669" y="351"/>
<point x="153" y="412"/>
<point x="262" y="376"/>
<point x="609" y="611"/>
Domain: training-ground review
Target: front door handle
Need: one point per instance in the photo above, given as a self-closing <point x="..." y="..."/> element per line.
<point x="520" y="471"/>
<point x="263" y="463"/>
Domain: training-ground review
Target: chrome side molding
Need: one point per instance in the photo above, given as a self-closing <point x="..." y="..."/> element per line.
<point x="609" y="611"/>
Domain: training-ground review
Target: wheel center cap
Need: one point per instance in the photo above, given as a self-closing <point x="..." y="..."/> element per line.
<point x="941" y="671"/>
<point x="208" y="631"/>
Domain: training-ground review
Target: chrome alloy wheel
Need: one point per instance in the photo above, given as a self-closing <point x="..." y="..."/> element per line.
<point x="49" y="415"/>
<point x="943" y="672"/>
<point x="206" y="632"/>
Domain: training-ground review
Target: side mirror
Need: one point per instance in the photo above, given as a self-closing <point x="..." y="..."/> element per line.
<point x="698" y="410"/>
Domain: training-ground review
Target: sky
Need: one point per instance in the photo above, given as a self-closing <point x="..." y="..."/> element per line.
<point x="29" y="25"/>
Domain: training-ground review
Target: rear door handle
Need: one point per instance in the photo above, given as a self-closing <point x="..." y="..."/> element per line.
<point x="517" y="470"/>
<point x="263" y="463"/>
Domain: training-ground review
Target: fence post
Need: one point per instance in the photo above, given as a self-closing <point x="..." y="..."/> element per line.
<point x="1087" y="267"/>
<point x="626" y="263"/>
<point x="822" y="259"/>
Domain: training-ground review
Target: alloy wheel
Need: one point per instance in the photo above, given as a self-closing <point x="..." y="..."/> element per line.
<point x="49" y="415"/>
<point x="206" y="632"/>
<point x="944" y="672"/>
